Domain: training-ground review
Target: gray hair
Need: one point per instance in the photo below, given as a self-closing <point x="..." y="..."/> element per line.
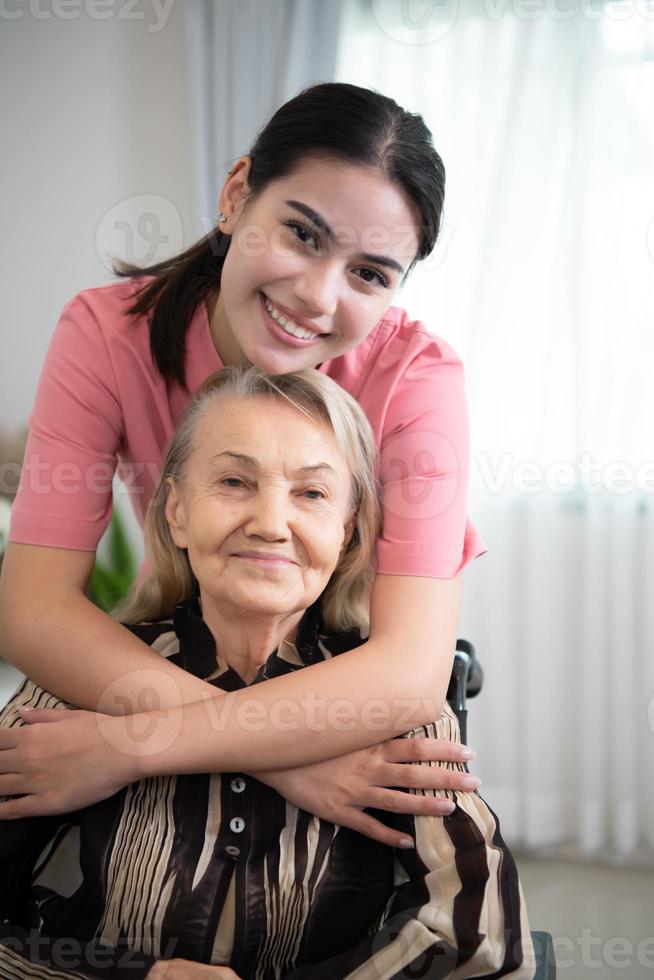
<point x="345" y="600"/>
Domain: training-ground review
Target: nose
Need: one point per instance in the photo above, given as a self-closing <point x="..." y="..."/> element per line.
<point x="317" y="287"/>
<point x="269" y="516"/>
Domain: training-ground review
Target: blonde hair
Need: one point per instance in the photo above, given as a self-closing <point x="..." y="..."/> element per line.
<point x="345" y="600"/>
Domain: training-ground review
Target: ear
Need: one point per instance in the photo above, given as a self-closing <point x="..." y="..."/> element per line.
<point x="348" y="532"/>
<point x="234" y="190"/>
<point x="175" y="515"/>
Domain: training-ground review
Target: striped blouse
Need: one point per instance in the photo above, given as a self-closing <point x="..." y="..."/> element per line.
<point x="222" y="869"/>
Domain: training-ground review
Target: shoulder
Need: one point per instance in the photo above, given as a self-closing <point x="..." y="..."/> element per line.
<point x="396" y="353"/>
<point x="412" y="338"/>
<point x="103" y="311"/>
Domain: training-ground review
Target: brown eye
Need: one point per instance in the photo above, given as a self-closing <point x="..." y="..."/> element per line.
<point x="378" y="278"/>
<point x="300" y="230"/>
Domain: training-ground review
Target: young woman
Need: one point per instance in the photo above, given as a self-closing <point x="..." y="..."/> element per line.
<point x="220" y="869"/>
<point x="319" y="224"/>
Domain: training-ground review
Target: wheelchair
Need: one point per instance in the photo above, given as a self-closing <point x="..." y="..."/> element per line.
<point x="466" y="682"/>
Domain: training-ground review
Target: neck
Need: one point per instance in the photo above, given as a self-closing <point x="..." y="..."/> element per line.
<point x="223" y="340"/>
<point x="244" y="640"/>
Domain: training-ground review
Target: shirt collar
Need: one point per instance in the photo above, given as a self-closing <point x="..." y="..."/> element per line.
<point x="312" y="644"/>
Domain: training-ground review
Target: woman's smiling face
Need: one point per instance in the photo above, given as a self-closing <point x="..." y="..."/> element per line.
<point x="264" y="506"/>
<point x="324" y="248"/>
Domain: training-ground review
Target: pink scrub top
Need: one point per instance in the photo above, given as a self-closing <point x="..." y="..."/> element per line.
<point x="101" y="403"/>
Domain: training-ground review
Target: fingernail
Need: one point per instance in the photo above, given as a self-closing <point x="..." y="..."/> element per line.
<point x="25" y="707"/>
<point x="449" y="808"/>
<point x="471" y="782"/>
<point x="407" y="843"/>
<point x="468" y="754"/>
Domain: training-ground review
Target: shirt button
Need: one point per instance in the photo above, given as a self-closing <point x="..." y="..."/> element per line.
<point x="232" y="851"/>
<point x="238" y="784"/>
<point x="237" y="824"/>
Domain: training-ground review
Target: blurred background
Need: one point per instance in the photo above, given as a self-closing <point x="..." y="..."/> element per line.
<point x="120" y="120"/>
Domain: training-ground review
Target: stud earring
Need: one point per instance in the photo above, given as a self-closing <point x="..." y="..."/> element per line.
<point x="221" y="217"/>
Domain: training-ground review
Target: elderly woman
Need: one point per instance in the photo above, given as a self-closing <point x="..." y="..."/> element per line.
<point x="260" y="538"/>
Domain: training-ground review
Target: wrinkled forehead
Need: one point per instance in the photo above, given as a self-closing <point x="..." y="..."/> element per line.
<point x="269" y="436"/>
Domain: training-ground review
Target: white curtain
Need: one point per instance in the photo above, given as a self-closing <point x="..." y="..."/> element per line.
<point x="544" y="283"/>
<point x="245" y="59"/>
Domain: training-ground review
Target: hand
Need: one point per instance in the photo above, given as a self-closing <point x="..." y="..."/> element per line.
<point x="339" y="789"/>
<point x="188" y="970"/>
<point x="62" y="760"/>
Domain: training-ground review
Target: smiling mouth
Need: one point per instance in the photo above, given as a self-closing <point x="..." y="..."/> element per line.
<point x="263" y="559"/>
<point x="287" y="324"/>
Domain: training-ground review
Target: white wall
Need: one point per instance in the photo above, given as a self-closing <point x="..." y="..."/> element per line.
<point x="92" y="111"/>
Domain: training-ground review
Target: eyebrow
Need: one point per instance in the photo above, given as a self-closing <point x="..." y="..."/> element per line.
<point x="253" y="464"/>
<point x="322" y="225"/>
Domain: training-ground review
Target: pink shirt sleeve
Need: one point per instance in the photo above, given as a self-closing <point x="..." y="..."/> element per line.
<point x="75" y="431"/>
<point x="425" y="464"/>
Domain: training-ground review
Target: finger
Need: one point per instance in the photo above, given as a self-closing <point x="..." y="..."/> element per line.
<point x="33" y="715"/>
<point x="14" y="783"/>
<point x="367" y="825"/>
<point x="426" y="750"/>
<point x="395" y="801"/>
<point x="427" y="778"/>
<point x="8" y="738"/>
<point x="9" y="761"/>
<point x="25" y="806"/>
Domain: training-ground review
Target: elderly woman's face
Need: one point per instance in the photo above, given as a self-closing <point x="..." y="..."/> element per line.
<point x="263" y="507"/>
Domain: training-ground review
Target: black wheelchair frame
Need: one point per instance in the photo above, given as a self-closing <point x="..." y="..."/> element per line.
<point x="466" y="682"/>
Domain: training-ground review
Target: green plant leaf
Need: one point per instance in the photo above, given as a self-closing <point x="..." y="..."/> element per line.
<point x="112" y="580"/>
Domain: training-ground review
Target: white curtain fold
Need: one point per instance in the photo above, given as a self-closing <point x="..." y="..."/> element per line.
<point x="246" y="58"/>
<point x="543" y="281"/>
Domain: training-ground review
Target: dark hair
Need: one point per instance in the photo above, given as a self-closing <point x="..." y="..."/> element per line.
<point x="347" y="122"/>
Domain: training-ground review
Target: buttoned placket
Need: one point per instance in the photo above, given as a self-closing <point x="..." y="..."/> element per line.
<point x="239" y="830"/>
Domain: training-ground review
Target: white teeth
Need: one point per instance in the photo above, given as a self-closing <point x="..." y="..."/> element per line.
<point x="290" y="326"/>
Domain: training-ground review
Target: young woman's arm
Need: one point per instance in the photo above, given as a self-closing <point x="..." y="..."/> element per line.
<point x="100" y="665"/>
<point x="56" y="636"/>
<point x="395" y="681"/>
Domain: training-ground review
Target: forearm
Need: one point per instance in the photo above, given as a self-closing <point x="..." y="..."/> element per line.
<point x="77" y="652"/>
<point x="292" y="720"/>
<point x="395" y="681"/>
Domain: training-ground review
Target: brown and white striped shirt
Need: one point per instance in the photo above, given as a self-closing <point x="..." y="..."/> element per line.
<point x="222" y="869"/>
